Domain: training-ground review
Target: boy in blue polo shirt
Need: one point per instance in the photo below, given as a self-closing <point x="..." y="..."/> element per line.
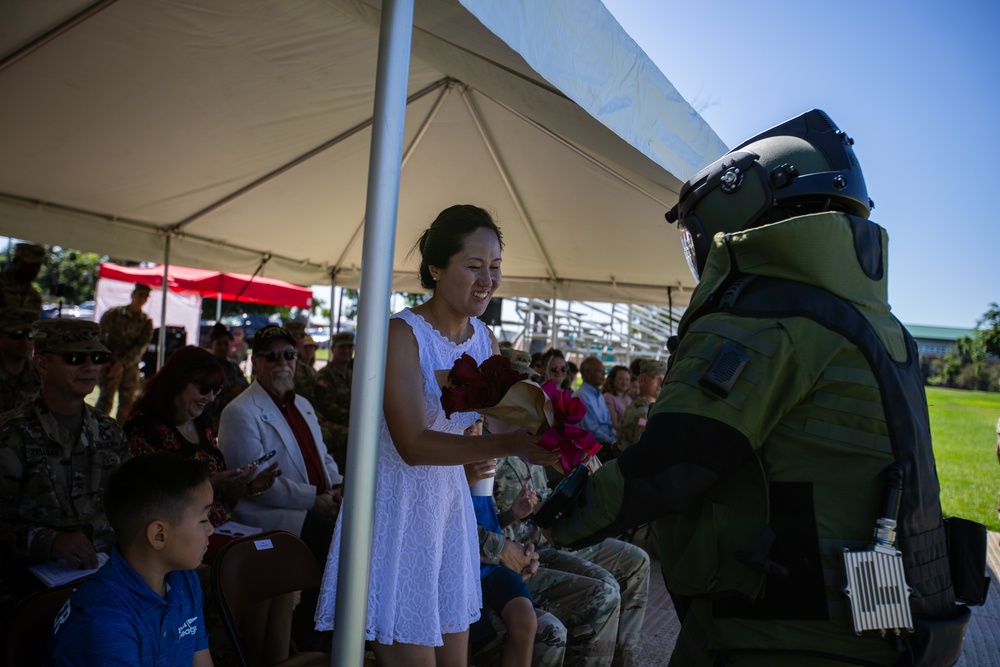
<point x="143" y="607"/>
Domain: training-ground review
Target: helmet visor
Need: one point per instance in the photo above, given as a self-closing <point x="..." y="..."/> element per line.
<point x="690" y="254"/>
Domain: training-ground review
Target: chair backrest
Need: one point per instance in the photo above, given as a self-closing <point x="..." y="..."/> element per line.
<point x="26" y="628"/>
<point x="250" y="570"/>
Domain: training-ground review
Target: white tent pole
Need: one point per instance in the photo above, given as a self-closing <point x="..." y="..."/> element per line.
<point x="162" y="342"/>
<point x="553" y="333"/>
<point x="381" y="207"/>
<point x="218" y="306"/>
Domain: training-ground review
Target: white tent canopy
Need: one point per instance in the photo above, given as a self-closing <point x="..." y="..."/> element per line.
<point x="242" y="130"/>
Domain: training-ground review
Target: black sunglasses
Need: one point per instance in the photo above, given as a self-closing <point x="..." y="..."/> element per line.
<point x="80" y="358"/>
<point x="274" y="356"/>
<point x="206" y="389"/>
<point x="20" y="334"/>
<point x="559" y="369"/>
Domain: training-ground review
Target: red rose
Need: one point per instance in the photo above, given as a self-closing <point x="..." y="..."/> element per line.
<point x="464" y="371"/>
<point x="481" y="395"/>
<point x="453" y="400"/>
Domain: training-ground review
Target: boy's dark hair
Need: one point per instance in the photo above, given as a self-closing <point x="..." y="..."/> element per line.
<point x="149" y="487"/>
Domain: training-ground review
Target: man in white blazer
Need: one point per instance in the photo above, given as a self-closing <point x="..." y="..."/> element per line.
<point x="305" y="498"/>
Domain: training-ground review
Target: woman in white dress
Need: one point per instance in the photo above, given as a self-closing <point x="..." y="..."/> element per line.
<point x="424" y="590"/>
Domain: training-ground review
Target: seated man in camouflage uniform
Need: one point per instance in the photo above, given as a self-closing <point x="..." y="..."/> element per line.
<point x="18" y="379"/>
<point x="128" y="332"/>
<point x="598" y="592"/>
<point x="651" y="372"/>
<point x="56" y="453"/>
<point x="333" y="396"/>
<point x="305" y="367"/>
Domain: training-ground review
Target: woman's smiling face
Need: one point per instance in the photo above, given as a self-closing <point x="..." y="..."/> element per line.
<point x="472" y="276"/>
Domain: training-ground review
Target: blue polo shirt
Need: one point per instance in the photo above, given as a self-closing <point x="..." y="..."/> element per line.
<point x="115" y="618"/>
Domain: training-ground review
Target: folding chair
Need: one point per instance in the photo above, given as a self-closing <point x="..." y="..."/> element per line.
<point x="27" y="626"/>
<point x="254" y="569"/>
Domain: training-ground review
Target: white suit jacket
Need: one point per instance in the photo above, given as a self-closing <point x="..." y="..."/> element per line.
<point x="251" y="426"/>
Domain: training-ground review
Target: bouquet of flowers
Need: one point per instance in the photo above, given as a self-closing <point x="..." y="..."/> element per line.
<point x="496" y="389"/>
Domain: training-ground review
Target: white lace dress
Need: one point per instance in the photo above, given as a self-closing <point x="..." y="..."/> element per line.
<point x="425" y="550"/>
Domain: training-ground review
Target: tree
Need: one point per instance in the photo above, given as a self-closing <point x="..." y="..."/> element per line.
<point x="973" y="364"/>
<point x="70" y="274"/>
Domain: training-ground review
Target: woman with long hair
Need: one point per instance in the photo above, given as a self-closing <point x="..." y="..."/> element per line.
<point x="555" y="367"/>
<point x="423" y="590"/>
<point x="616" y="393"/>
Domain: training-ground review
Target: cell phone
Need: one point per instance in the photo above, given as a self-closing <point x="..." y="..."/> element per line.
<point x="267" y="457"/>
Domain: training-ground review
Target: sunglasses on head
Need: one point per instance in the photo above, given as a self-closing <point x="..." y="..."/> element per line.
<point x="274" y="356"/>
<point x="80" y="358"/>
<point x="20" y="334"/>
<point x="205" y="389"/>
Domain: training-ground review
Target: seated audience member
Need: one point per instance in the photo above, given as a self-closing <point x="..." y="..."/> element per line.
<point x="603" y="587"/>
<point x="234" y="381"/>
<point x="169" y="416"/>
<point x="650" y="377"/>
<point x="238" y="348"/>
<point x="554" y="367"/>
<point x="268" y="416"/>
<point x="615" y="391"/>
<point x="56" y="453"/>
<point x="333" y="396"/>
<point x="503" y="586"/>
<point x="305" y="368"/>
<point x="598" y="417"/>
<point x="18" y="378"/>
<point x="536" y="362"/>
<point x="144" y="606"/>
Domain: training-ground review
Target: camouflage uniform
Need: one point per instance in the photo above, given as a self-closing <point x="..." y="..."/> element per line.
<point x="333" y="406"/>
<point x="15" y="293"/>
<point x="599" y="592"/>
<point x="128" y="335"/>
<point x="50" y="483"/>
<point x="632" y="425"/>
<point x="305" y="381"/>
<point x="16" y="389"/>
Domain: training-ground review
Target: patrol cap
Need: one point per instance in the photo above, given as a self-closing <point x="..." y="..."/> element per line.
<point x="272" y="332"/>
<point x="342" y="338"/>
<point x="652" y="367"/>
<point x="520" y="361"/>
<point x="141" y="288"/>
<point x="18" y="319"/>
<point x="218" y="331"/>
<point x="67" y="335"/>
<point x="29" y="253"/>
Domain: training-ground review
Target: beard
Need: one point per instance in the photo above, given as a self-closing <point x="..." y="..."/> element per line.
<point x="282" y="380"/>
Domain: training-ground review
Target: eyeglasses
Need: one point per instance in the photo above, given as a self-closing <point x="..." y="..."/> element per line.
<point x="288" y="355"/>
<point x="559" y="369"/>
<point x="20" y="334"/>
<point x="206" y="389"/>
<point x="80" y="358"/>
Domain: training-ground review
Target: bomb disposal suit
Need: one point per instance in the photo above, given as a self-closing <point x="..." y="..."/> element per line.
<point x="790" y="392"/>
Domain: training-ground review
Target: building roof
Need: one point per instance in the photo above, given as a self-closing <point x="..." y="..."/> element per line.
<point x="938" y="333"/>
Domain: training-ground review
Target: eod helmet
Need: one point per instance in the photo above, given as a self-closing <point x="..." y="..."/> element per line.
<point x="804" y="165"/>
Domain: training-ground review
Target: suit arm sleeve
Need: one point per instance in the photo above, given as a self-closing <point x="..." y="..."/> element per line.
<point x="677" y="459"/>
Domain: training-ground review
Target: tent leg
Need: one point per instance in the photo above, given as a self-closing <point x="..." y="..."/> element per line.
<point x="382" y="202"/>
<point x="161" y="343"/>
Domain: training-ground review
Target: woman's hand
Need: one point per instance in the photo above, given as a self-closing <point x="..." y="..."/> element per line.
<point x="476" y="472"/>
<point x="525" y="445"/>
<point x="522" y="558"/>
<point x="525" y="502"/>
<point x="231" y="485"/>
<point x="263" y="481"/>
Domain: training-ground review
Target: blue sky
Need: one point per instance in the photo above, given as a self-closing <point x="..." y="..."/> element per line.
<point x="916" y="84"/>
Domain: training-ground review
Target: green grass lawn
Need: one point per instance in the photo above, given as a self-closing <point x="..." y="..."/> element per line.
<point x="962" y="424"/>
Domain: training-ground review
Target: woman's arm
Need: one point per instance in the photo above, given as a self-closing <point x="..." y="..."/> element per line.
<point x="404" y="415"/>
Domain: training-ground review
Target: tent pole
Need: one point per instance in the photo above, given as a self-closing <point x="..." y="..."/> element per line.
<point x="161" y="343"/>
<point x="333" y="297"/>
<point x="554" y="330"/>
<point x="381" y="206"/>
<point x="218" y="306"/>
